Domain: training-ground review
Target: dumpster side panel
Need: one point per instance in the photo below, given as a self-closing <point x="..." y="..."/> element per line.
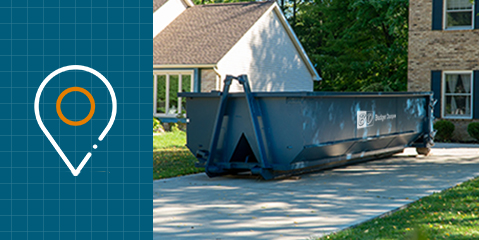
<point x="412" y="115"/>
<point x="372" y="124"/>
<point x="283" y="127"/>
<point x="201" y="121"/>
<point x="327" y="120"/>
<point x="306" y="131"/>
<point x="302" y="127"/>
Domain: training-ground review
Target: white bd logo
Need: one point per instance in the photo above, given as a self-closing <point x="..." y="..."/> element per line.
<point x="365" y="119"/>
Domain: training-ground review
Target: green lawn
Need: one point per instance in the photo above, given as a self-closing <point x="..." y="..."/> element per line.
<point x="451" y="214"/>
<point x="170" y="156"/>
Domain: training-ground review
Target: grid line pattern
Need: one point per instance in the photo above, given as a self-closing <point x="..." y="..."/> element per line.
<point x="111" y="198"/>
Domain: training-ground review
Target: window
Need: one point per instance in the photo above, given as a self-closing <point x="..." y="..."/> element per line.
<point x="457" y="95"/>
<point x="458" y="14"/>
<point x="166" y="85"/>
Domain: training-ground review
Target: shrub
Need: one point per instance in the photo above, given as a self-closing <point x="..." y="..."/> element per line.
<point x="444" y="130"/>
<point x="157" y="127"/>
<point x="174" y="127"/>
<point x="473" y="130"/>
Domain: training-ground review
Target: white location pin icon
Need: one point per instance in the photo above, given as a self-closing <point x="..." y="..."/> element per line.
<point x="74" y="171"/>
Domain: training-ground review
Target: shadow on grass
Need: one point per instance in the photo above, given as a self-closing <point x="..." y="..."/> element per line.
<point x="173" y="162"/>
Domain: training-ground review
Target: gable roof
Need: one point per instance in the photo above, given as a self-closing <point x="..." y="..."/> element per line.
<point x="158" y="3"/>
<point x="203" y="34"/>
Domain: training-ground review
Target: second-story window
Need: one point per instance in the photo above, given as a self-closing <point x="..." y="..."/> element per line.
<point x="458" y="14"/>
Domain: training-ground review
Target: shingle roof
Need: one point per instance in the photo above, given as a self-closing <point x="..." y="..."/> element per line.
<point x="158" y="3"/>
<point x="203" y="34"/>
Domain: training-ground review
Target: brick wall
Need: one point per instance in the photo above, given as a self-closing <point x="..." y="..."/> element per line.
<point x="438" y="50"/>
<point x="208" y="80"/>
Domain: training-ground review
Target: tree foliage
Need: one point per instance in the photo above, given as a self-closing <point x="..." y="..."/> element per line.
<point x="357" y="45"/>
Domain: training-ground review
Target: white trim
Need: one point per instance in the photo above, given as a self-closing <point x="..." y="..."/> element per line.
<point x="443" y="92"/>
<point x="455" y="28"/>
<point x="180" y="89"/>
<point x="217" y="79"/>
<point x="167" y="94"/>
<point x="173" y="72"/>
<point x="161" y="115"/>
<point x="155" y="92"/>
<point x="189" y="3"/>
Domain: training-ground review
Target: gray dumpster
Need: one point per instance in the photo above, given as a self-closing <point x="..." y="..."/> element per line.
<point x="284" y="133"/>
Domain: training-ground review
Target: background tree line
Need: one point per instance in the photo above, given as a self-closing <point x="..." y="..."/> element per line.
<point x="355" y="45"/>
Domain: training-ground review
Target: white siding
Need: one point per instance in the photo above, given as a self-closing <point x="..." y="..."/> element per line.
<point x="267" y="54"/>
<point x="166" y="14"/>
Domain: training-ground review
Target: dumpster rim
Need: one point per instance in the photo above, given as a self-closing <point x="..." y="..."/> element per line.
<point x="311" y="94"/>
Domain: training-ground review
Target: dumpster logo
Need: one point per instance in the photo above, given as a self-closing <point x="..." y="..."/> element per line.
<point x="365" y="119"/>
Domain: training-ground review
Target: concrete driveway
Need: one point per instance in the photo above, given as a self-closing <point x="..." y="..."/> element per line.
<point x="197" y="207"/>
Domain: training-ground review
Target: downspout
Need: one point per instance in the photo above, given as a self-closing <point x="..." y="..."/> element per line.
<point x="197" y="73"/>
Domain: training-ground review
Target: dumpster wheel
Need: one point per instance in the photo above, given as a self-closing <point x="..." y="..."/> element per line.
<point x="423" y="151"/>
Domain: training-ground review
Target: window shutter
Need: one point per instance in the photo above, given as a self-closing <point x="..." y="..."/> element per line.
<point x="475" y="96"/>
<point x="437" y="13"/>
<point x="476" y="14"/>
<point x="436" y="83"/>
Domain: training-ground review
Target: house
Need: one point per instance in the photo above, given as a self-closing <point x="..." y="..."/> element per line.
<point x="201" y="44"/>
<point x="444" y="58"/>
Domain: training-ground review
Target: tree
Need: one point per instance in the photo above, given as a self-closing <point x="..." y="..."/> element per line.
<point x="357" y="45"/>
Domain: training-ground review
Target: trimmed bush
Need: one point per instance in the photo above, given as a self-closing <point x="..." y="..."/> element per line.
<point x="444" y="130"/>
<point x="473" y="130"/>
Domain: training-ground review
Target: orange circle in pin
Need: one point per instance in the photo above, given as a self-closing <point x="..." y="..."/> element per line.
<point x="59" y="108"/>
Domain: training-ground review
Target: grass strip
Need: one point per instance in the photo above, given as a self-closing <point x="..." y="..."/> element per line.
<point x="451" y="214"/>
<point x="170" y="156"/>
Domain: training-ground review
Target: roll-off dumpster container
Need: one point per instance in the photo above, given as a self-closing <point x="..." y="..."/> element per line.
<point x="284" y="133"/>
